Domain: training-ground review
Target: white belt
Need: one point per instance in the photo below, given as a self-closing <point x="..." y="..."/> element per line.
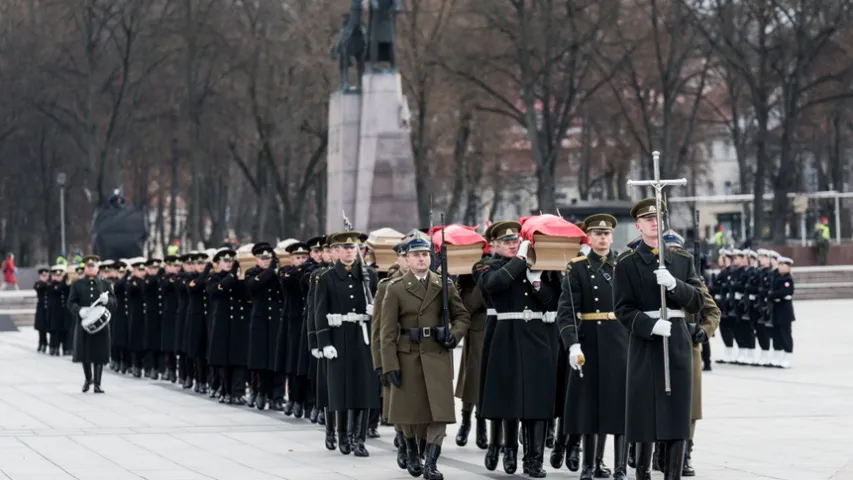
<point x="527" y="315"/>
<point x="718" y="297"/>
<point x="752" y="296"/>
<point x="337" y="319"/>
<point x="670" y="313"/>
<point x="491" y="312"/>
<point x="738" y="295"/>
<point x="786" y="297"/>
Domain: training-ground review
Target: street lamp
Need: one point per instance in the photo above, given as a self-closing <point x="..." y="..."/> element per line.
<point x="60" y="180"/>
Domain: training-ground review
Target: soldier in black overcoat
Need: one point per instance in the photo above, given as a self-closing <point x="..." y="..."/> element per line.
<point x="169" y="286"/>
<point x="781" y="297"/>
<point x="185" y="367"/>
<point x="651" y="413"/>
<point x="119" y="321"/>
<point x="343" y="335"/>
<point x="153" y="303"/>
<point x="91" y="349"/>
<point x="307" y="363"/>
<point x="595" y="403"/>
<point x="57" y="295"/>
<point x="41" y="324"/>
<point x="292" y="278"/>
<point x="318" y="367"/>
<point x="228" y="347"/>
<point x="196" y="333"/>
<point x="135" y="303"/>
<point x="267" y="304"/>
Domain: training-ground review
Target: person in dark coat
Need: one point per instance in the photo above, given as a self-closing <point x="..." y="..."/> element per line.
<point x="228" y="350"/>
<point x="195" y="333"/>
<point x="119" y="322"/>
<point x="41" y="324"/>
<point x="468" y="384"/>
<point x="595" y="404"/>
<point x="169" y="287"/>
<point x="652" y="414"/>
<point x="781" y="296"/>
<point x="57" y="295"/>
<point x="91" y="349"/>
<point x="319" y="366"/>
<point x="343" y="327"/>
<point x="185" y="367"/>
<point x="267" y="304"/>
<point x="520" y="383"/>
<point x="135" y="308"/>
<point x="289" y="343"/>
<point x="307" y="363"/>
<point x="153" y="304"/>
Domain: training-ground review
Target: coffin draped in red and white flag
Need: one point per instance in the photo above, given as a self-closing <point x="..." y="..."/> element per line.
<point x="464" y="247"/>
<point x="554" y="241"/>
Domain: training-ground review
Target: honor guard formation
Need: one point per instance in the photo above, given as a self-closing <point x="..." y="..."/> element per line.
<point x="560" y="350"/>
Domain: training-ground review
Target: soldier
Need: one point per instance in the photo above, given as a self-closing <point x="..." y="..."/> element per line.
<point x="651" y="414"/>
<point x="90" y="349"/>
<point x="169" y="286"/>
<point x="135" y="303"/>
<point x="397" y="270"/>
<point x="56" y="310"/>
<point x="762" y="332"/>
<point x="153" y="304"/>
<point x="119" y="321"/>
<point x="267" y="305"/>
<point x="419" y="365"/>
<point x="720" y="291"/>
<point x="196" y="334"/>
<point x="596" y="402"/>
<point x="520" y="382"/>
<point x="341" y="308"/>
<point x="185" y="367"/>
<point x="294" y="285"/>
<point x="41" y="324"/>
<point x="781" y="295"/>
<point x="702" y="327"/>
<point x="307" y="364"/>
<point x="229" y="333"/>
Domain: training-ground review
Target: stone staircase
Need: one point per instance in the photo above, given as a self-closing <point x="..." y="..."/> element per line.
<point x="20" y="305"/>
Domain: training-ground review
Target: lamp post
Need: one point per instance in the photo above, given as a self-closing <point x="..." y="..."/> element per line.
<point x="60" y="180"/>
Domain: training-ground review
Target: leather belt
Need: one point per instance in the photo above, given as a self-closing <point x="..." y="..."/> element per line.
<point x="337" y="319"/>
<point x="528" y="315"/>
<point x="597" y="316"/>
<point x="670" y="313"/>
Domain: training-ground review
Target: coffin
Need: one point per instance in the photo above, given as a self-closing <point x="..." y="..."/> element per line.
<point x="382" y="243"/>
<point x="283" y="255"/>
<point x="464" y="247"/>
<point x="555" y="241"/>
<point x="245" y="259"/>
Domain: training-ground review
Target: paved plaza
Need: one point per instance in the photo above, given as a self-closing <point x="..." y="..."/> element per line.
<point x="759" y="423"/>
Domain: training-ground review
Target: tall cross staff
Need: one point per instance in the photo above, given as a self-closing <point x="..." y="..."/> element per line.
<point x="659" y="185"/>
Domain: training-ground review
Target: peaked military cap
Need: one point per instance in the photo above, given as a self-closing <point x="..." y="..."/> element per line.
<point x="763" y="252"/>
<point x="417" y="245"/>
<point x="345" y="239"/>
<point x="504" y="230"/>
<point x="736" y="252"/>
<point x="261" y="248"/>
<point x="43" y="270"/>
<point x="107" y="264"/>
<point x="647" y="207"/>
<point x="120" y="265"/>
<point x="187" y="257"/>
<point x="316" y="242"/>
<point x="751" y="253"/>
<point x="362" y="237"/>
<point x="401" y="248"/>
<point x="90" y="259"/>
<point x="298" y="247"/>
<point x="223" y="253"/>
<point x="672" y="239"/>
<point x="786" y="260"/>
<point x="327" y="240"/>
<point x="171" y="259"/>
<point x="600" y="222"/>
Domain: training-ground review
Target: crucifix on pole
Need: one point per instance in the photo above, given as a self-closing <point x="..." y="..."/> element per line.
<point x="659" y="185"/>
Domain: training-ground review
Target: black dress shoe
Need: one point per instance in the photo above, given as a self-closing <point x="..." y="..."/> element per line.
<point x="251" y="400"/>
<point x="277" y="405"/>
<point x="313" y="415"/>
<point x="288" y="408"/>
<point x="331" y="444"/>
<point x="86" y="385"/>
<point x="222" y="399"/>
<point x="573" y="459"/>
<point x="464" y="429"/>
<point x="321" y="417"/>
<point x="482" y="439"/>
<point x="298" y="410"/>
<point x="343" y="444"/>
<point x="261" y="402"/>
<point x="372" y="432"/>
<point x="98" y="389"/>
<point x="238" y="400"/>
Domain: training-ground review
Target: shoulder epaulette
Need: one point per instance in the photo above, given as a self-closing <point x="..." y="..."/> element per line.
<point x="625" y="254"/>
<point x="680" y="253"/>
<point x="394" y="280"/>
<point x="578" y="259"/>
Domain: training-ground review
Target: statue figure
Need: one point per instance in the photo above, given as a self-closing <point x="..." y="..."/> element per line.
<point x="381" y="30"/>
<point x="350" y="46"/>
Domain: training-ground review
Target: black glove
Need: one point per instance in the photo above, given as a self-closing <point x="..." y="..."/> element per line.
<point x="699" y="336"/>
<point x="274" y="261"/>
<point x="445" y="337"/>
<point x="449" y="340"/>
<point x="382" y="379"/>
<point x="394" y="378"/>
<point x="234" y="267"/>
<point x="207" y="269"/>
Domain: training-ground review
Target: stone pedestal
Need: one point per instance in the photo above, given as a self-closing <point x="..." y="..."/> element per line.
<point x="371" y="171"/>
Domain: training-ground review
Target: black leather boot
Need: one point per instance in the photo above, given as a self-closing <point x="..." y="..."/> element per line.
<point x="549" y="436"/>
<point x="252" y="398"/>
<point x="288" y="408"/>
<point x="359" y="432"/>
<point x="343" y="433"/>
<point x="464" y="429"/>
<point x="674" y="459"/>
<point x="298" y="410"/>
<point x="659" y="457"/>
<point x="321" y="416"/>
<point x="588" y="464"/>
<point x="510" y="446"/>
<point x="687" y="469"/>
<point x="573" y="458"/>
<point x="482" y="439"/>
<point x="644" y="460"/>
<point x="331" y="444"/>
<point x="430" y="468"/>
<point x="87" y="374"/>
<point x="558" y="453"/>
<point x="601" y="470"/>
<point x="493" y="451"/>
<point x="261" y="401"/>
<point x="632" y="455"/>
<point x="312" y="417"/>
<point x="422" y="448"/>
<point x="537" y="432"/>
<point x="402" y="451"/>
<point x="99" y="371"/>
<point x="413" y="459"/>
<point x="373" y="424"/>
<point x="620" y="458"/>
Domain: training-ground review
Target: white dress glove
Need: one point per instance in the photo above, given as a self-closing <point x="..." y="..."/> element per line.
<point x="665" y="278"/>
<point x="574" y="354"/>
<point x="662" y="328"/>
<point x="84" y="311"/>
<point x="330" y="352"/>
<point x="316" y="353"/>
<point x="369" y="309"/>
<point x="522" y="250"/>
<point x="104" y="296"/>
<point x="534" y="276"/>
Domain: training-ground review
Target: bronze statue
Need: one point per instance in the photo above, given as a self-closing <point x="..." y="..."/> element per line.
<point x="375" y="46"/>
<point x="350" y="46"/>
<point x="381" y="31"/>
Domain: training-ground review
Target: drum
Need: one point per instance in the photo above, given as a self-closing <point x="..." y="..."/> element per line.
<point x="96" y="319"/>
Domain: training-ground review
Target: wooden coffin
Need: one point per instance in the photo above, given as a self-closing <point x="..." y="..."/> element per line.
<point x="552" y="253"/>
<point x="283" y="255"/>
<point x="246" y="259"/>
<point x="461" y="258"/>
<point x="382" y="243"/>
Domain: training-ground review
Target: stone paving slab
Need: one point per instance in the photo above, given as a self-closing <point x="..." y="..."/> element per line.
<point x="759" y="423"/>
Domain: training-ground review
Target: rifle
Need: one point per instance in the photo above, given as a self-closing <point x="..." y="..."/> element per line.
<point x="445" y="302"/>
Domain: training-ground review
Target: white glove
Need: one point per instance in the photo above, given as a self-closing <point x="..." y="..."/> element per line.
<point x="662" y="328"/>
<point x="738" y="295"/>
<point x="534" y="276"/>
<point x="316" y="353"/>
<point x="330" y="352"/>
<point x="369" y="309"/>
<point x="574" y="354"/>
<point x="104" y="297"/>
<point x="84" y="311"/>
<point x="522" y="250"/>
<point x="665" y="278"/>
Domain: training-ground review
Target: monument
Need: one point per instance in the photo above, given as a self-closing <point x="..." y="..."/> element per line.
<point x="370" y="163"/>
